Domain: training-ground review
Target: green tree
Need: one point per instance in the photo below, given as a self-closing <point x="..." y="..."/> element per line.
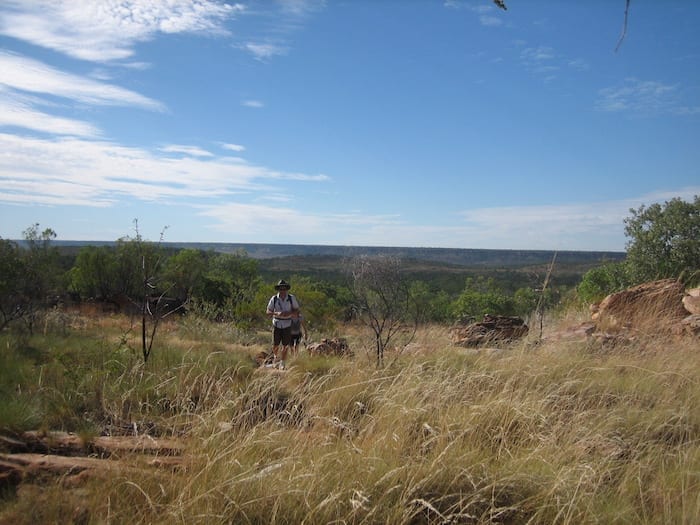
<point x="525" y="301"/>
<point x="138" y="280"/>
<point x="313" y="301"/>
<point x="480" y="297"/>
<point x="436" y="305"/>
<point x="94" y="273"/>
<point x="42" y="274"/>
<point x="12" y="271"/>
<point x="664" y="240"/>
<point x="134" y="257"/>
<point x="183" y="274"/>
<point x="603" y="280"/>
<point x="231" y="279"/>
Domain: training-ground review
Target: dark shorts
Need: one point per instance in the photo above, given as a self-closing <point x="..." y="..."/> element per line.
<point x="282" y="335"/>
<point x="296" y="339"/>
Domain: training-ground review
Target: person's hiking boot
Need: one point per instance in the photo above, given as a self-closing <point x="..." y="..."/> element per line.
<point x="281" y="365"/>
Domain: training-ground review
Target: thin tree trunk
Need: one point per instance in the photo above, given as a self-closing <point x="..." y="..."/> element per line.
<point x="540" y="305"/>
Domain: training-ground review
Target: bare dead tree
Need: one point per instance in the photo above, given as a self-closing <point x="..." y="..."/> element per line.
<point x="541" y="301"/>
<point x="153" y="304"/>
<point x="381" y="299"/>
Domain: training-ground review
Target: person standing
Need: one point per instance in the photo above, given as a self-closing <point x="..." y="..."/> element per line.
<point x="281" y="308"/>
<point x="298" y="331"/>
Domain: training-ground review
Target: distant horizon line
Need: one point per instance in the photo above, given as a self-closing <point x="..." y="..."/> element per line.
<point x="352" y="246"/>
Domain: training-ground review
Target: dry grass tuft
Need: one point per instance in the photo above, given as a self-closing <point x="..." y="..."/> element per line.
<point x="553" y="433"/>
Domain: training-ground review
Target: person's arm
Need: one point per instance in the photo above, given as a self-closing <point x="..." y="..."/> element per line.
<point x="281" y="314"/>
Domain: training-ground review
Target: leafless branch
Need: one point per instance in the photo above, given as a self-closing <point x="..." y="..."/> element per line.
<point x="624" y="26"/>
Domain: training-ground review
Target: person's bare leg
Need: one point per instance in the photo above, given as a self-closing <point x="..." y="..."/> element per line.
<point x="285" y="349"/>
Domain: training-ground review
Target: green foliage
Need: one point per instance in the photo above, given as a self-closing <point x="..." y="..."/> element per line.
<point x="11" y="282"/>
<point x="94" y="273"/>
<point x="231" y="288"/>
<point x="320" y="310"/>
<point x="109" y="273"/>
<point x="664" y="240"/>
<point x="18" y="406"/>
<point x="42" y="274"/>
<point x="433" y="305"/>
<point x="525" y="301"/>
<point x="604" y="280"/>
<point x="183" y="274"/>
<point x="138" y="264"/>
<point x="31" y="277"/>
<point x="480" y="297"/>
<point x="230" y="276"/>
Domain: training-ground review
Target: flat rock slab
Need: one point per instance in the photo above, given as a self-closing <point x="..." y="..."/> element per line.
<point x="655" y="306"/>
<point x="33" y="463"/>
<point x="69" y="444"/>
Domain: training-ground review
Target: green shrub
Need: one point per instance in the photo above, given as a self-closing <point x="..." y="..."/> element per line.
<point x="604" y="280"/>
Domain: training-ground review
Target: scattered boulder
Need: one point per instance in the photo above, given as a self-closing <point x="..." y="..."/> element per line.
<point x="264" y="358"/>
<point x="336" y="346"/>
<point x="579" y="332"/>
<point x="652" y="307"/>
<point x="691" y="325"/>
<point x="691" y="301"/>
<point x="492" y="329"/>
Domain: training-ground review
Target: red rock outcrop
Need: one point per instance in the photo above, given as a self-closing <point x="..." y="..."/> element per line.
<point x="492" y="329"/>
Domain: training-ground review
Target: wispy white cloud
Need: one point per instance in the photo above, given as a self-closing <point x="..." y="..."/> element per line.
<point x="253" y="104"/>
<point x="302" y="7"/>
<point x="106" y="31"/>
<point x="487" y="14"/>
<point x="570" y="226"/>
<point x="579" y="64"/>
<point x="192" y="151"/>
<point x="28" y="75"/>
<point x="251" y="222"/>
<point x="644" y="97"/>
<point x="546" y="61"/>
<point x="533" y="55"/>
<point x="233" y="147"/>
<point x="265" y="51"/>
<point x="15" y="113"/>
<point x="490" y="21"/>
<point x="580" y="226"/>
<point x="97" y="173"/>
<point x="461" y="4"/>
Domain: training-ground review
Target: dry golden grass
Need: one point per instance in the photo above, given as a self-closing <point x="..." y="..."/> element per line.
<point x="568" y="432"/>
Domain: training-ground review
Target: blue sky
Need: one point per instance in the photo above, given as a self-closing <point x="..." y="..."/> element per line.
<point x="385" y="123"/>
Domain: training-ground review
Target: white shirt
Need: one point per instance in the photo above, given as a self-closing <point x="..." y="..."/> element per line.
<point x="277" y="304"/>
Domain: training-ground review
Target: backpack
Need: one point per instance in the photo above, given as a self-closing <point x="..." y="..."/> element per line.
<point x="292" y="301"/>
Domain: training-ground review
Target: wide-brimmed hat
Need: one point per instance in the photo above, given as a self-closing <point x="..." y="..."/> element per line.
<point x="283" y="285"/>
